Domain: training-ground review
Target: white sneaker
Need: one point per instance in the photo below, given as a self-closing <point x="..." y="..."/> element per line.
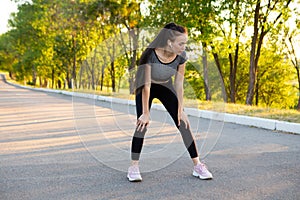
<point x="134" y="174"/>
<point x="202" y="172"/>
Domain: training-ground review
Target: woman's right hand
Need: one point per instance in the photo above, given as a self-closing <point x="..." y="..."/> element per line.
<point x="143" y="121"/>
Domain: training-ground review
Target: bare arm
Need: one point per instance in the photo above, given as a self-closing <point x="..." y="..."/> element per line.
<point x="144" y="119"/>
<point x="179" y="78"/>
<point x="179" y="86"/>
<point x="146" y="89"/>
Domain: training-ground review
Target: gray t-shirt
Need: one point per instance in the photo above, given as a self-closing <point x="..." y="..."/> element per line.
<point x="164" y="71"/>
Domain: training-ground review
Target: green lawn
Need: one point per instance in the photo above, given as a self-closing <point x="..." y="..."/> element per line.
<point x="269" y="113"/>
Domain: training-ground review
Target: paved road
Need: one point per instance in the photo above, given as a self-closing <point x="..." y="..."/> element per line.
<point x="57" y="147"/>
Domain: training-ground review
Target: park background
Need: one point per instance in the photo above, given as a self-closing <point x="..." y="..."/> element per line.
<point x="244" y="54"/>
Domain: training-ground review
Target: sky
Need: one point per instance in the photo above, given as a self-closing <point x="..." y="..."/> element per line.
<point x="6" y="7"/>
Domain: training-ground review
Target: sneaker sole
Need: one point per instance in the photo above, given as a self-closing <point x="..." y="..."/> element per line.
<point x="195" y="174"/>
<point x="134" y="180"/>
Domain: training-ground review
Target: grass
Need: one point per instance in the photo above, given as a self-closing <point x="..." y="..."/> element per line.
<point x="255" y="111"/>
<point x="288" y="115"/>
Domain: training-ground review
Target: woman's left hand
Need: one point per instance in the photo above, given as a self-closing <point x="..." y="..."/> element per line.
<point x="182" y="116"/>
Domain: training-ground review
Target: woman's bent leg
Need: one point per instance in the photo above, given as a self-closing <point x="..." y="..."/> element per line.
<point x="137" y="144"/>
<point x="188" y="139"/>
<point x="138" y="137"/>
<point x="169" y="100"/>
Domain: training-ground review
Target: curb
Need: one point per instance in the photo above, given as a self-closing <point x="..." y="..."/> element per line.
<point x="269" y="124"/>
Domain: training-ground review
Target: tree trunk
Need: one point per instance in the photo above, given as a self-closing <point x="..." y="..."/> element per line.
<point x="252" y="69"/>
<point x="93" y="79"/>
<point x="232" y="79"/>
<point x="255" y="52"/>
<point x="102" y="77"/>
<point x="298" y="75"/>
<point x="205" y="74"/>
<point x="256" y="92"/>
<point x="232" y="76"/>
<point x="59" y="83"/>
<point x="52" y="77"/>
<point x="74" y="62"/>
<point x="131" y="69"/>
<point x="40" y="81"/>
<point x="132" y="58"/>
<point x="132" y="66"/>
<point x="234" y="63"/>
<point x="45" y="84"/>
<point x="216" y="57"/>
<point x="33" y="76"/>
<point x="113" y="76"/>
<point x="93" y="69"/>
<point x="80" y="78"/>
<point x="69" y="81"/>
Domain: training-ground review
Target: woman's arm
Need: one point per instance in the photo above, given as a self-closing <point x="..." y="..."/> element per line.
<point x="179" y="78"/>
<point x="179" y="85"/>
<point x="146" y="89"/>
<point x="144" y="119"/>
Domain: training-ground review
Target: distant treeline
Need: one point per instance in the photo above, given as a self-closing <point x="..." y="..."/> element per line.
<point x="241" y="51"/>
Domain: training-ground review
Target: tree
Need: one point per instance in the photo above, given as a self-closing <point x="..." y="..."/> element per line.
<point x="273" y="85"/>
<point x="129" y="16"/>
<point x="290" y="41"/>
<point x="49" y="40"/>
<point x="30" y="44"/>
<point x="230" y="23"/>
<point x="197" y="16"/>
<point x="7" y="56"/>
<point x="263" y="22"/>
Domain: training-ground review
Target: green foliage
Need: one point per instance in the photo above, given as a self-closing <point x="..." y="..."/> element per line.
<point x="96" y="44"/>
<point x="7" y="54"/>
<point x="274" y="84"/>
<point x="193" y="86"/>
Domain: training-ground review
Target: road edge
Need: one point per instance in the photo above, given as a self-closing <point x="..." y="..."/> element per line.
<point x="270" y="124"/>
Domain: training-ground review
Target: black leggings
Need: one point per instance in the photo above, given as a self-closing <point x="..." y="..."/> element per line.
<point x="167" y="95"/>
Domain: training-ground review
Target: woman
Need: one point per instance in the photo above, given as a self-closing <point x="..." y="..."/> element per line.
<point x="164" y="58"/>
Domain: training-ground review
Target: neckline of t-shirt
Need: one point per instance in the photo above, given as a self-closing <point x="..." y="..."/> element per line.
<point x="164" y="62"/>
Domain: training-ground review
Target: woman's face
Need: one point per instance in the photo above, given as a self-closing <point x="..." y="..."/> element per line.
<point x="178" y="45"/>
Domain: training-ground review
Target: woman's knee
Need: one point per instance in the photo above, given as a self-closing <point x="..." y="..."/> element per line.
<point x="140" y="134"/>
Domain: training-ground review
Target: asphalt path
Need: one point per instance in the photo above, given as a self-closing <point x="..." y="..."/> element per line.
<point x="55" y="146"/>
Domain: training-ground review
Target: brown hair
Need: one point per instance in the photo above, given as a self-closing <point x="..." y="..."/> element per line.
<point x="169" y="32"/>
